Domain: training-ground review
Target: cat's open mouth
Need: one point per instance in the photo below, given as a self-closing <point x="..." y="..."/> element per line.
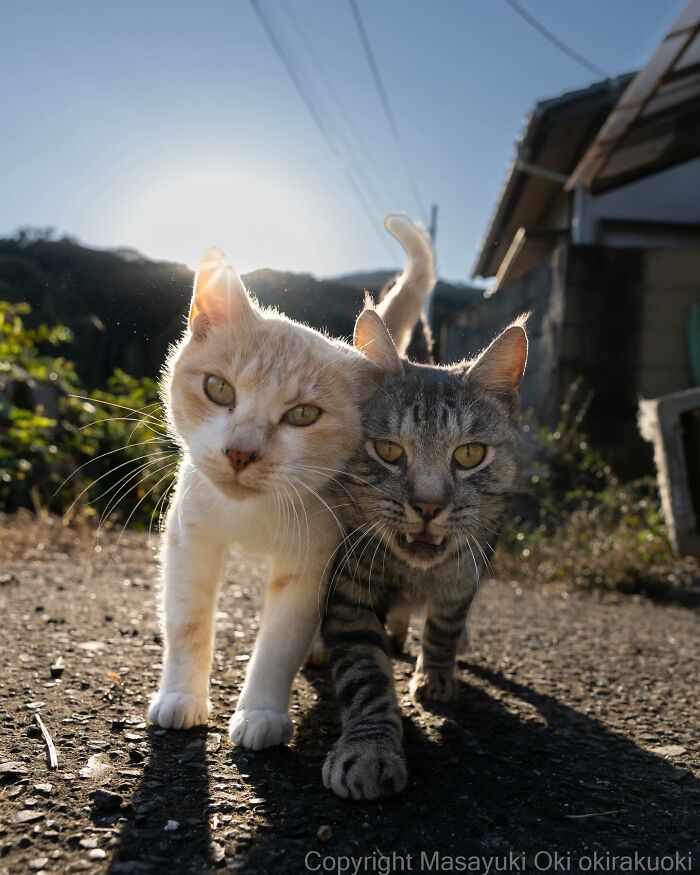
<point x="421" y="543"/>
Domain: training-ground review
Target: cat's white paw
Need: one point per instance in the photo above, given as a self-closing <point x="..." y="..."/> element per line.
<point x="178" y="710"/>
<point x="434" y="686"/>
<point x="258" y="729"/>
<point x="364" y="770"/>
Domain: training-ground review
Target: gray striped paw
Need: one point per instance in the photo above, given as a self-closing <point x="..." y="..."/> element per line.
<point x="364" y="770"/>
<point x="434" y="686"/>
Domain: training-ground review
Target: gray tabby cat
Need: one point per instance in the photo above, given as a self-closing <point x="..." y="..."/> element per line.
<point x="424" y="496"/>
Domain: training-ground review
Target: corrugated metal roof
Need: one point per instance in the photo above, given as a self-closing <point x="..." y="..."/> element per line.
<point x="555" y="134"/>
<point x="656" y="122"/>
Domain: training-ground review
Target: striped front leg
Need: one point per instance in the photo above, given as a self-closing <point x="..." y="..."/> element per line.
<point x="434" y="679"/>
<point x="367" y="761"/>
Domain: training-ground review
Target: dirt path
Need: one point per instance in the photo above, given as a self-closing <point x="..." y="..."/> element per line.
<point x="576" y="732"/>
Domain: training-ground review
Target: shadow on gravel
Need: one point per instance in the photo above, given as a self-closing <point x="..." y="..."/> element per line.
<point x="506" y="770"/>
<point x="167" y="828"/>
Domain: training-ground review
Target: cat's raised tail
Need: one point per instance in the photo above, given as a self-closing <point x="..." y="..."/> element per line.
<point x="401" y="307"/>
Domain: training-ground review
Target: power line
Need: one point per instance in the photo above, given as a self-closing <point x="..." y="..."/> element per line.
<point x="384" y="97"/>
<point x="376" y="182"/>
<point x="548" y="35"/>
<point x="318" y="119"/>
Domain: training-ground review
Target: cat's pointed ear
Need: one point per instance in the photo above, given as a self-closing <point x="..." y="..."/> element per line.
<point x="219" y="294"/>
<point x="373" y="339"/>
<point x="500" y="367"/>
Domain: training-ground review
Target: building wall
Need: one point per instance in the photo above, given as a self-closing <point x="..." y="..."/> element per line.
<point x="617" y="319"/>
<point x="469" y="329"/>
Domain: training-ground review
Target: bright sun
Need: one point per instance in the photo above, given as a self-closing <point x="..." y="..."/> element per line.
<point x="256" y="222"/>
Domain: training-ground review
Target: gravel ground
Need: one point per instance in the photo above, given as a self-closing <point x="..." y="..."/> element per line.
<point x="576" y="732"/>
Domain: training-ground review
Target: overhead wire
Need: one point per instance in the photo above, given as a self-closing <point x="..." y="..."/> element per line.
<point x="388" y="111"/>
<point x="320" y="122"/>
<point x="555" y="41"/>
<point x="376" y="181"/>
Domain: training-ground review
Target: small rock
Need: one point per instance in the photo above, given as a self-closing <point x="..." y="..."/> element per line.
<point x="97" y="854"/>
<point x="171" y="826"/>
<point x="213" y="742"/>
<point x="668" y="750"/>
<point x="324" y="833"/>
<point x="135" y="756"/>
<point x="95" y="768"/>
<point x="27" y="816"/>
<point x="44" y="789"/>
<point x="57" y="668"/>
<point x="105" y="800"/>
<point x="38" y="863"/>
<point x="12" y="771"/>
<point x="216" y="852"/>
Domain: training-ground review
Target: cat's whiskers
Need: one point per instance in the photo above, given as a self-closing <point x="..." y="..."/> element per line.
<point x="134" y="410"/>
<point x="367" y="534"/>
<point x="135" y="419"/>
<point x="329" y="588"/>
<point x="302" y="509"/>
<point x="114" y="501"/>
<point x="155" y="454"/>
<point x="318" y="468"/>
<point x="371" y="565"/>
<point x="160" y="507"/>
<point x="170" y="468"/>
<point x="102" y="456"/>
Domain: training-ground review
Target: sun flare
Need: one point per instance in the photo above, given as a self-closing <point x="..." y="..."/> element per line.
<point x="257" y="222"/>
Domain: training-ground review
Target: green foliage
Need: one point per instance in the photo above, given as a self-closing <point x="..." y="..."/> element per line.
<point x="106" y="455"/>
<point x="587" y="527"/>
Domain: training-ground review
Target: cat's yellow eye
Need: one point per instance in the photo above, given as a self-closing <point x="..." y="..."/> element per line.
<point x="302" y="414"/>
<point x="469" y="455"/>
<point x="219" y="391"/>
<point x="389" y="451"/>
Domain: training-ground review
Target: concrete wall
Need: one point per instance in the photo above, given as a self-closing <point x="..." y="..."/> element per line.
<point x="468" y="330"/>
<point x="616" y="318"/>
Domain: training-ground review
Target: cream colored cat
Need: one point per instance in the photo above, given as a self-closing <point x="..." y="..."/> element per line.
<point x="267" y="412"/>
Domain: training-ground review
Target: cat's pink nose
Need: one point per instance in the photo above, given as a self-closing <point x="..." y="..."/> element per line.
<point x="426" y="509"/>
<point x="240" y="459"/>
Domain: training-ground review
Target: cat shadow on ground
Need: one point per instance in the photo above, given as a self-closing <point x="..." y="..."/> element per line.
<point x="503" y="769"/>
<point x="167" y="822"/>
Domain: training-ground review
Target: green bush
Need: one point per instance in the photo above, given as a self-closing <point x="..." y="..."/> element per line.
<point x="106" y="455"/>
<point x="588" y="527"/>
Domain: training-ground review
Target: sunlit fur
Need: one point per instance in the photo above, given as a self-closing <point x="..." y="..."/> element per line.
<point x="273" y="508"/>
<point x="273" y="364"/>
<point x="430" y="411"/>
<point x="380" y="575"/>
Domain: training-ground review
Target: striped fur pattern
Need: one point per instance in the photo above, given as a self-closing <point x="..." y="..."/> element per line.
<point x="381" y="575"/>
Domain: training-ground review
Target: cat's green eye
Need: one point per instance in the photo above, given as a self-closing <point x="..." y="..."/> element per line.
<point x="389" y="451"/>
<point x="302" y="414"/>
<point x="219" y="391"/>
<point x="469" y="455"/>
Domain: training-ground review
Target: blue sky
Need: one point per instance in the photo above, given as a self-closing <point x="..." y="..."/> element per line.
<point x="172" y="126"/>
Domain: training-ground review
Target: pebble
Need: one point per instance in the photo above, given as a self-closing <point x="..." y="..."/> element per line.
<point x="12" y="771"/>
<point x="39" y="863"/>
<point x="171" y="826"/>
<point x="668" y="750"/>
<point x="216" y="852"/>
<point x="27" y="816"/>
<point x="105" y="800"/>
<point x="97" y="854"/>
<point x="44" y="789"/>
<point x="324" y="833"/>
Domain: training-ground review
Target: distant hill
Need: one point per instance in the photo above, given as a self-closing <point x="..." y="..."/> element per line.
<point x="125" y="310"/>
